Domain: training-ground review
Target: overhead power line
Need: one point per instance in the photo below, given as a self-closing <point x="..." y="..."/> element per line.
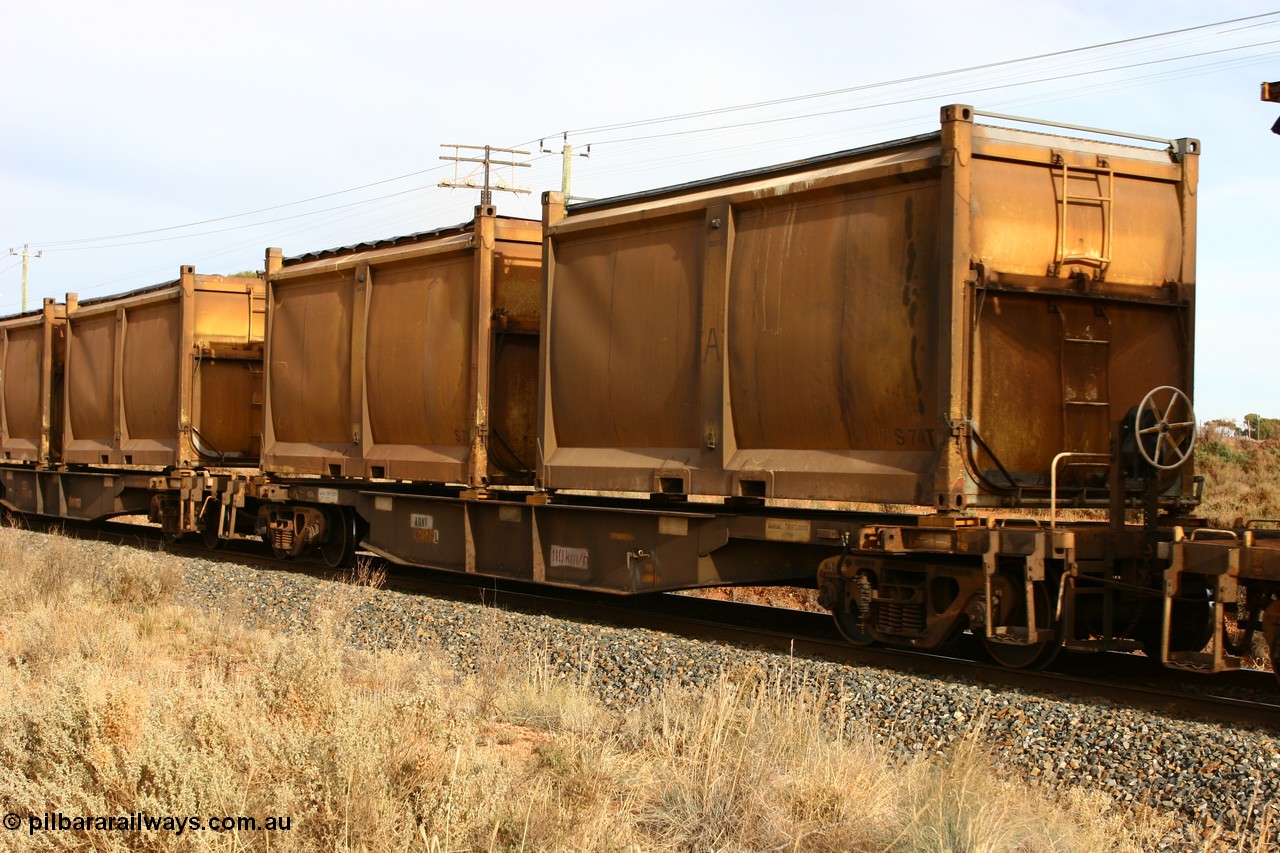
<point x="1249" y="22"/>
<point x="915" y="79"/>
<point x="53" y="243"/>
<point x="931" y="96"/>
<point x="246" y="225"/>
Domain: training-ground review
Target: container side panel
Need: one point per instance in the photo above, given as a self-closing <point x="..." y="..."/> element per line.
<point x="309" y="372"/>
<point x="152" y="360"/>
<point x="222" y="317"/>
<point x="1019" y="412"/>
<point x="419" y="352"/>
<point x="513" y="409"/>
<point x="514" y="413"/>
<point x="624" y="321"/>
<point x="90" y="379"/>
<point x="1147" y="245"/>
<point x="1152" y="348"/>
<point x="226" y="417"/>
<point x="1052" y="369"/>
<point x="517" y="289"/>
<point x="831" y="325"/>
<point x="22" y="393"/>
<point x="1053" y="373"/>
<point x="1017" y="208"/>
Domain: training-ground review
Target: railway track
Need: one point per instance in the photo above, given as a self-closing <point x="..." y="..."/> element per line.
<point x="1246" y="697"/>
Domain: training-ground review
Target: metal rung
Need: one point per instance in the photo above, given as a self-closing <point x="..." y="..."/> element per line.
<point x="1087" y="341"/>
<point x="1085" y="403"/>
<point x="1103" y="201"/>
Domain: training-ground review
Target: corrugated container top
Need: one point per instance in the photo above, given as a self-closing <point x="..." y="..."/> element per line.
<point x="890" y="324"/>
<point x="170" y="376"/>
<point x="413" y="358"/>
<point x="31" y="348"/>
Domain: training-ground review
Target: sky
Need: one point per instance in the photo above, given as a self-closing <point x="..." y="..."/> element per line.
<point x="140" y="136"/>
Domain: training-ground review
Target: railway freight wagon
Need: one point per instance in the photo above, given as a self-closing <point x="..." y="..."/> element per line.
<point x="929" y="321"/>
<point x="141" y="394"/>
<point x="32" y="348"/>
<point x="971" y="319"/>
<point x="413" y="359"/>
<point x="170" y="376"/>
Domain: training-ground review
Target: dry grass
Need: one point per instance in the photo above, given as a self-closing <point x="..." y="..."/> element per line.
<point x="118" y="699"/>
<point x="1241" y="479"/>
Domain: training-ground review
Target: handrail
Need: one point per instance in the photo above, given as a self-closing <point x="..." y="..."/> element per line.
<point x="1053" y="480"/>
<point x="1225" y="534"/>
<point x="1081" y="127"/>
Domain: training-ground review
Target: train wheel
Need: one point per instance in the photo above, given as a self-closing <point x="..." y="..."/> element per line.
<point x="340" y="550"/>
<point x="853" y="627"/>
<point x="209" y="528"/>
<point x="1034" y="656"/>
<point x="1275" y="656"/>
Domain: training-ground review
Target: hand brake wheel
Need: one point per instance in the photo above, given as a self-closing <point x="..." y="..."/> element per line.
<point x="1165" y="425"/>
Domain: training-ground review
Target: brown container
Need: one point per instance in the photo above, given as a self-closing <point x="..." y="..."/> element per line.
<point x="893" y="324"/>
<point x="414" y="358"/>
<point x="31" y="353"/>
<point x="170" y="376"/>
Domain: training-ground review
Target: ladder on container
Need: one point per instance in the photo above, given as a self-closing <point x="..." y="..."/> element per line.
<point x="258" y="384"/>
<point x="1084" y="364"/>
<point x="1101" y="200"/>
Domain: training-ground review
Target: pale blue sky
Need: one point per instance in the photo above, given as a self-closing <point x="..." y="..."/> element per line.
<point x="136" y="116"/>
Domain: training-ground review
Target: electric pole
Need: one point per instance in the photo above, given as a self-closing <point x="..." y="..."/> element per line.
<point x="486" y="163"/>
<point x="566" y="169"/>
<point x="26" y="256"/>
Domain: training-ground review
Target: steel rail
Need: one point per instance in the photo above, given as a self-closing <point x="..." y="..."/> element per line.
<point x="1124" y="679"/>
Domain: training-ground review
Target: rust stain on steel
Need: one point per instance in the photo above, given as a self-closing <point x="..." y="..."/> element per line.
<point x="844" y="329"/>
<point x="167" y="376"/>
<point x="32" y="350"/>
<point x="409" y="359"/>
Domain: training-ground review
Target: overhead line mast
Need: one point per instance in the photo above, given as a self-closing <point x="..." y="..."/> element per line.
<point x="26" y="257"/>
<point x="566" y="170"/>
<point x="486" y="162"/>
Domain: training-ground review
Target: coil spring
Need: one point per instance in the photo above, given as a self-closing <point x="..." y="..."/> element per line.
<point x="282" y="537"/>
<point x="169" y="520"/>
<point x="896" y="617"/>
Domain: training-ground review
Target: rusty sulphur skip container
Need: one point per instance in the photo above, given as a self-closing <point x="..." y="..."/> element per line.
<point x="414" y="358"/>
<point x="169" y="376"/>
<point x="927" y="321"/>
<point x="31" y="356"/>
